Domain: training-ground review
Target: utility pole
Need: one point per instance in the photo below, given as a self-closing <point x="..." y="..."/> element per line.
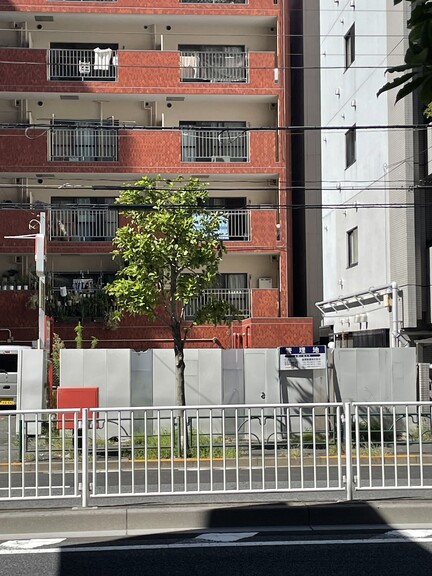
<point x="40" y="260"/>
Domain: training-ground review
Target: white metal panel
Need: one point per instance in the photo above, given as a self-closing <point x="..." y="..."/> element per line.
<point x="32" y="380"/>
<point x="142" y="378"/>
<point x="71" y="368"/>
<point x="261" y="369"/>
<point x="118" y="377"/>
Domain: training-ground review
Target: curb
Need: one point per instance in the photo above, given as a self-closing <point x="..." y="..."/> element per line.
<point x="290" y="517"/>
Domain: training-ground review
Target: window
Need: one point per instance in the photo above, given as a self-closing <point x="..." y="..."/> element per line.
<point x="349" y="46"/>
<point x="352" y="245"/>
<point x="350" y="147"/>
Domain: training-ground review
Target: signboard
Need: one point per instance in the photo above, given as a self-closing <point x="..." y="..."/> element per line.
<point x="302" y="358"/>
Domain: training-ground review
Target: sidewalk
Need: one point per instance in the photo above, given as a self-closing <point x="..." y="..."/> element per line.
<point x="296" y="516"/>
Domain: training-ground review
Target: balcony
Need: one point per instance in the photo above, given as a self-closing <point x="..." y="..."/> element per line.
<point x="236" y="226"/>
<point x="215" y="145"/>
<point x="214" y="66"/>
<point x="213" y="1"/>
<point x="28" y="151"/>
<point x="140" y="6"/>
<point x="79" y="144"/>
<point x="83" y="65"/>
<point x="82" y="224"/>
<point x="240" y="298"/>
<point x="38" y="70"/>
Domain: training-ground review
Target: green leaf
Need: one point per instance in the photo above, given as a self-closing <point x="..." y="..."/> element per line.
<point x="410" y="87"/>
<point x="395" y="83"/>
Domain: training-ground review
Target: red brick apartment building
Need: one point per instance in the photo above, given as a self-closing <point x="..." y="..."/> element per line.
<point x="86" y="88"/>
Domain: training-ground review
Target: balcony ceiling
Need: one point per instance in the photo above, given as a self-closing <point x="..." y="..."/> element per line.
<point x="93" y="96"/>
<point x="63" y="20"/>
<point x="79" y="182"/>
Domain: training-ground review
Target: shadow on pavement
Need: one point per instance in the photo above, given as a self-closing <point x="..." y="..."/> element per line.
<point x="340" y="539"/>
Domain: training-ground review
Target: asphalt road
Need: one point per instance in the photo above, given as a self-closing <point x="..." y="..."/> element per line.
<point x="215" y="554"/>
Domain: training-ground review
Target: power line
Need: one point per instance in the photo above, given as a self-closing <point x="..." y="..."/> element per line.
<point x="131" y="126"/>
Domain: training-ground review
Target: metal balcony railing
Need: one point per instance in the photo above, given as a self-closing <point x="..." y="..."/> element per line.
<point x="215" y="145"/>
<point x="240" y="298"/>
<point x="83" y="145"/>
<point x="83" y="0"/>
<point x="237" y="225"/>
<point x="82" y="224"/>
<point x="217" y="66"/>
<point x="81" y="65"/>
<point x="213" y="1"/>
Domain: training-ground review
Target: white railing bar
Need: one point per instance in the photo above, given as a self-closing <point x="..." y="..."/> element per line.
<point x="84" y="459"/>
<point x="237" y="448"/>
<point x="369" y="432"/>
<point x="275" y="437"/>
<point x="301" y="448"/>
<point x="74" y="436"/>
<point x="49" y="456"/>
<point x="348" y="451"/>
<point x="407" y="435"/>
<point x="314" y="448"/>
<point x="119" y="436"/>
<point x="288" y="420"/>
<point x="327" y="435"/>
<point x="420" y="433"/>
<point x="206" y="407"/>
<point x="262" y="449"/>
<point x="158" y="451"/>
<point x="172" y="447"/>
<point x="198" y="443"/>
<point x="94" y="452"/>
<point x="37" y="455"/>
<point x="395" y="467"/>
<point x="146" y="452"/>
<point x="211" y="448"/>
<point x="132" y="435"/>
<point x="185" y="446"/>
<point x="9" y="452"/>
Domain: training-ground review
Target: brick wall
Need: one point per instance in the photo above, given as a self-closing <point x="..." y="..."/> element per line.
<point x="25" y="69"/>
<point x="252" y="7"/>
<point x="138" y="333"/>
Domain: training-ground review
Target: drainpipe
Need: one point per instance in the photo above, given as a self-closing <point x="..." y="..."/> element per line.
<point x="395" y="333"/>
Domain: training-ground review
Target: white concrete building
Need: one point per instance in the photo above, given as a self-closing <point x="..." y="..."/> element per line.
<point x="367" y="244"/>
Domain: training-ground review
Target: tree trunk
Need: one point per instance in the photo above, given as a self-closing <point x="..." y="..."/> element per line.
<point x="179" y="372"/>
<point x="180" y="391"/>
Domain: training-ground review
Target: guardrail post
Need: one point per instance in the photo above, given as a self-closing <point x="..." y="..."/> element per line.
<point x="348" y="451"/>
<point x="84" y="459"/>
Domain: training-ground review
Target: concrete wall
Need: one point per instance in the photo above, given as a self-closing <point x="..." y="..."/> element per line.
<point x="383" y="170"/>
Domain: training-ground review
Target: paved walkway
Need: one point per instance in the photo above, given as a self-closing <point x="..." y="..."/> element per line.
<point x="296" y="516"/>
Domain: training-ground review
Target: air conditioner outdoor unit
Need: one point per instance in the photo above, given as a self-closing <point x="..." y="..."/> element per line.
<point x="265" y="283"/>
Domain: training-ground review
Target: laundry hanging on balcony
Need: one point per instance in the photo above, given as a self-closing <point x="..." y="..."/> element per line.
<point x="189" y="65"/>
<point x="84" y="67"/>
<point x="102" y="58"/>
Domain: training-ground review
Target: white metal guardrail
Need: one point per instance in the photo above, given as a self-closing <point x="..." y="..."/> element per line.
<point x="213" y="66"/>
<point x="82" y="224"/>
<point x="393" y="445"/>
<point x="239" y="298"/>
<point x="161" y="451"/>
<point x="82" y="64"/>
<point x="215" y="145"/>
<point x="40" y="454"/>
<point x="83" y="145"/>
<point x="213" y="1"/>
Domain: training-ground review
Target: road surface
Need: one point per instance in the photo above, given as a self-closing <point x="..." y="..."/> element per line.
<point x="221" y="553"/>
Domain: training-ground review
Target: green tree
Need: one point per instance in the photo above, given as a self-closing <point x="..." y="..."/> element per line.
<point x="171" y="251"/>
<point x="417" y="70"/>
